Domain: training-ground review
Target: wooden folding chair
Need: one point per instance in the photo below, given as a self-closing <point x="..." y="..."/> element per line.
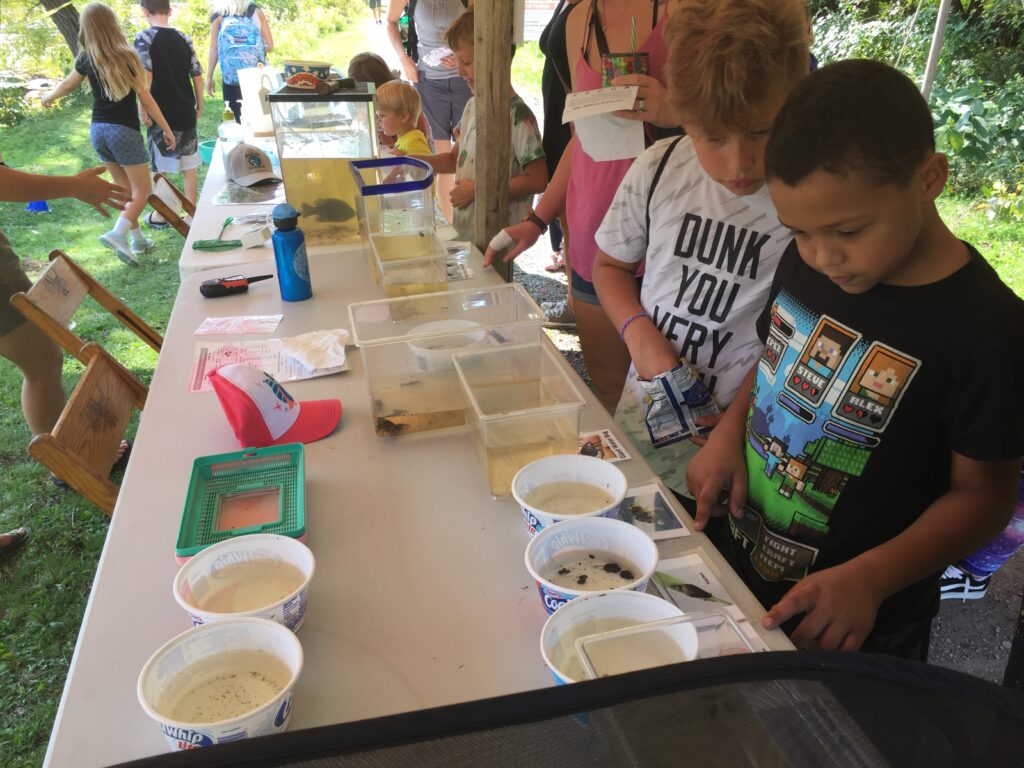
<point x="169" y="201"/>
<point x="59" y="291"/>
<point x="82" y="448"/>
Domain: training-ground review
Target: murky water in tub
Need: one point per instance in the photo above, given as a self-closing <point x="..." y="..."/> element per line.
<point x="417" y="402"/>
<point x="569" y="497"/>
<point x="224" y="686"/>
<point x="249" y="585"/>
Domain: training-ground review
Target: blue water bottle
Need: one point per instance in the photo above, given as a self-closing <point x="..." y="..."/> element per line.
<point x="290" y="255"/>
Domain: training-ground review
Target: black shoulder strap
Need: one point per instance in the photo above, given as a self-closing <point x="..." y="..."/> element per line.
<point x="654" y="184"/>
<point x="251" y="10"/>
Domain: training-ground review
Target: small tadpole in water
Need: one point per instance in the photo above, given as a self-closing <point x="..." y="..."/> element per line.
<point x="411" y="383"/>
<point x="591" y="556"/>
<point x="563" y="571"/>
<point x="388" y="427"/>
<point x="627" y="575"/>
<point x="612" y="567"/>
<point x="582" y="579"/>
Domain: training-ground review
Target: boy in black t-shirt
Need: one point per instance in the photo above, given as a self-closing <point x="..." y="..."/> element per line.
<point x="176" y="82"/>
<point x="885" y="424"/>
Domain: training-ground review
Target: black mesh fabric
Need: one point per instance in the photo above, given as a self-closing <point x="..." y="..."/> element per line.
<point x="767" y="710"/>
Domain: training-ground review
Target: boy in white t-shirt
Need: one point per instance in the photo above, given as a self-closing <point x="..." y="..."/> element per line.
<point x="698" y="211"/>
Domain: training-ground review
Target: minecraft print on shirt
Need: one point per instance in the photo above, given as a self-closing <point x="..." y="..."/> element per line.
<point x="822" y="400"/>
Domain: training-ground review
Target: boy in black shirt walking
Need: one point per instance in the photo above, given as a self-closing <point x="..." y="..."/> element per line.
<point x="883" y="431"/>
<point x="176" y="82"/>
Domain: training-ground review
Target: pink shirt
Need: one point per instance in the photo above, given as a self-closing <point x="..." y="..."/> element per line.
<point x="593" y="184"/>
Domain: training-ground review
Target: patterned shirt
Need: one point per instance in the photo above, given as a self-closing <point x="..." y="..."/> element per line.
<point x="526" y="147"/>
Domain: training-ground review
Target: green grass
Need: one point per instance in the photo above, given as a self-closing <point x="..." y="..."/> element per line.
<point x="45" y="590"/>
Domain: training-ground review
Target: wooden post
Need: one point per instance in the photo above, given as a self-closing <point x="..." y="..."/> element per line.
<point x="493" y="59"/>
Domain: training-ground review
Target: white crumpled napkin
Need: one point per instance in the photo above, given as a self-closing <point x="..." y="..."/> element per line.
<point x="319" y="350"/>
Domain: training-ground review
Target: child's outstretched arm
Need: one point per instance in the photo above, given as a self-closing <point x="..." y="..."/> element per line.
<point x="841" y="602"/>
<point x="67" y="85"/>
<point x="549" y="207"/>
<point x="445" y="162"/>
<point x="717" y="475"/>
<point x="87" y="186"/>
<point x="615" y="282"/>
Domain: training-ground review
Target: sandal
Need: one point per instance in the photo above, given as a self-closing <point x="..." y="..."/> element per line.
<point x="119" y="466"/>
<point x="18" y="538"/>
<point x="557" y="263"/>
<point x="155" y="224"/>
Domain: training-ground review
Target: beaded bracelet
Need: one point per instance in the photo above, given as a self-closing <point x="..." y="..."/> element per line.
<point x="625" y="325"/>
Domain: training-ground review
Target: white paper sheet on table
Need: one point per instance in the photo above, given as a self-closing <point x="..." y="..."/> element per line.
<point x="319" y="350"/>
<point x="266" y="354"/>
<point x="239" y="324"/>
<point x="691" y="585"/>
<point x="646" y="508"/>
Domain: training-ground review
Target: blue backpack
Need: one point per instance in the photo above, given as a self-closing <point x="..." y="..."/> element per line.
<point x="239" y="45"/>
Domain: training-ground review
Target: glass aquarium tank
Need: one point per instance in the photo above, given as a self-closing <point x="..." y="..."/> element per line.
<point x="317" y="135"/>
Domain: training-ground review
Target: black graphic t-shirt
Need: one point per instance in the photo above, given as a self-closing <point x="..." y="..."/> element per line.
<point x="859" y="402"/>
<point x="169" y="55"/>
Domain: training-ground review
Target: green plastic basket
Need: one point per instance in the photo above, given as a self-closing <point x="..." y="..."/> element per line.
<point x="227" y="491"/>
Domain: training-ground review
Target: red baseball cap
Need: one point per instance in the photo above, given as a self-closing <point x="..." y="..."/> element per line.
<point x="262" y="413"/>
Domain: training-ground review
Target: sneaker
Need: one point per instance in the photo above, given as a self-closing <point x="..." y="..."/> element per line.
<point x="958" y="584"/>
<point x="143" y="245"/>
<point x="559" y="314"/>
<point x="153" y="224"/>
<point x="119" y="245"/>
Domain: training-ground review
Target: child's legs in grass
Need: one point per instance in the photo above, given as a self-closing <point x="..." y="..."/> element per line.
<point x="136" y="178"/>
<point x="191" y="184"/>
<point x="40" y="361"/>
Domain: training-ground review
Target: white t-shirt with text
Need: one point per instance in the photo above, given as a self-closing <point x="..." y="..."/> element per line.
<point x="710" y="259"/>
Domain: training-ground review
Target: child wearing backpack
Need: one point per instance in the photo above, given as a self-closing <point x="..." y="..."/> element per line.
<point x="116" y="76"/>
<point x="239" y="38"/>
<point x="696" y="209"/>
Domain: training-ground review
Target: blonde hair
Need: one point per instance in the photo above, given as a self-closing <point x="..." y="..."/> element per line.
<point x="728" y="58"/>
<point x="116" y="63"/>
<point x="230" y="7"/>
<point x="396" y="96"/>
<point x="461" y="30"/>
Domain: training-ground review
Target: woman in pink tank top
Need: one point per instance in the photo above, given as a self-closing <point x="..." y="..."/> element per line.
<point x="582" y="187"/>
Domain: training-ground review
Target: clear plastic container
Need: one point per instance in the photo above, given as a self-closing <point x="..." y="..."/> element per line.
<point x="396" y="194"/>
<point x="408" y="264"/>
<point x="395" y="199"/>
<point x="317" y="135"/>
<point x="406" y="346"/>
<point x="623" y="650"/>
<point x="524" y="407"/>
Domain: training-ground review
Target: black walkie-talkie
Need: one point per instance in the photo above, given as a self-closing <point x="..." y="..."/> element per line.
<point x="225" y="286"/>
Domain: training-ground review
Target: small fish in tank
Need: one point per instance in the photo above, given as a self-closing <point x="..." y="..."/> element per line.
<point x="329" y="209"/>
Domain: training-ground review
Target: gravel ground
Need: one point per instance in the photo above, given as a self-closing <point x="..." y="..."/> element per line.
<point x="973" y="636"/>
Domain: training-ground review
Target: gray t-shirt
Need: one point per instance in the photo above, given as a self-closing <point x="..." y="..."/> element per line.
<point x="432" y="18"/>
